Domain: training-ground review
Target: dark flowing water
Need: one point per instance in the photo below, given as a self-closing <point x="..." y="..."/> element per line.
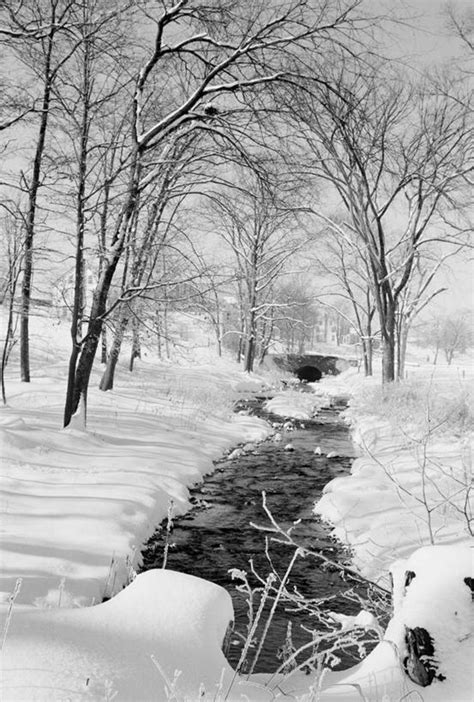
<point x="216" y="536"/>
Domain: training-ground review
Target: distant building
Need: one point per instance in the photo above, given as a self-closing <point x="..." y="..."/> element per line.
<point x="326" y="327"/>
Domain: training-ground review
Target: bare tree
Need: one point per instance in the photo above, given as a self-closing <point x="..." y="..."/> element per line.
<point x="395" y="156"/>
<point x="35" y="32"/>
<point x="200" y="53"/>
<point x="451" y="333"/>
<point x="295" y="314"/>
<point x="145" y="248"/>
<point x="86" y="91"/>
<point x="461" y="24"/>
<point x="345" y="266"/>
<point x="12" y="256"/>
<point x="211" y="291"/>
<point x="451" y="82"/>
<point x="260" y="230"/>
<point x="416" y="296"/>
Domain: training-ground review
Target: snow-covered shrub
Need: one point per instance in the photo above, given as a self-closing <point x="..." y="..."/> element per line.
<point x="328" y="637"/>
<point x="331" y="640"/>
<point x="412" y="484"/>
<point x="418" y="405"/>
<point x="189" y="398"/>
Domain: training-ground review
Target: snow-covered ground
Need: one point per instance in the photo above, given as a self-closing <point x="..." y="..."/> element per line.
<point x="76" y="507"/>
<point x="408" y="506"/>
<point x="412" y="484"/>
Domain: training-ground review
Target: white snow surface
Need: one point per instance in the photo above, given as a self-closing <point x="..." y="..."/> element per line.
<point x="407" y="501"/>
<point x="404" y="491"/>
<point x="130" y="646"/>
<point x="78" y="504"/>
<point x="294" y="404"/>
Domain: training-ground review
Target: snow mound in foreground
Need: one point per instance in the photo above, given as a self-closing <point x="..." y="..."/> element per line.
<point x="165" y="628"/>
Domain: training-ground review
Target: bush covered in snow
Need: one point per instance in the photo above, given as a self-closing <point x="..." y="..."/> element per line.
<point x="418" y="404"/>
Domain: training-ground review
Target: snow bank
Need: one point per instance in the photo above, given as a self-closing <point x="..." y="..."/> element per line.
<point x="76" y="506"/>
<point x="408" y="488"/>
<point x="159" y="637"/>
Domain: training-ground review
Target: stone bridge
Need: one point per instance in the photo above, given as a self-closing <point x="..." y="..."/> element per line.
<point x="327" y="365"/>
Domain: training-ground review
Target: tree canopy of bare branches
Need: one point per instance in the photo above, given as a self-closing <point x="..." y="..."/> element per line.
<point x="395" y="157"/>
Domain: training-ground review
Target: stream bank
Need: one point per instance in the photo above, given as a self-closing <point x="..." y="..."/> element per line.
<point x="218" y="535"/>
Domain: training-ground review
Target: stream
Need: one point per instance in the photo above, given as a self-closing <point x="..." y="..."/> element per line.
<point x="217" y="536"/>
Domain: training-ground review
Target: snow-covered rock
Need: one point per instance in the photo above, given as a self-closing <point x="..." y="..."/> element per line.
<point x="433" y="603"/>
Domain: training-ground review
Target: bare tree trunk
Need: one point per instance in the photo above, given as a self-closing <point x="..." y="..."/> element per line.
<point x="78" y="304"/>
<point x="158" y="333"/>
<point x="240" y="346"/>
<point x="388" y="359"/>
<point x="8" y="343"/>
<point x="166" y="328"/>
<point x="103" y="346"/>
<point x="402" y="340"/>
<point x="386" y="307"/>
<point x="136" y="351"/>
<point x="107" y="380"/>
<point x="249" y="354"/>
<point x="370" y="357"/>
<point x="369" y="336"/>
<point x="14" y="259"/>
<point x="368" y="341"/>
<point x="219" y="326"/>
<point x="266" y="341"/>
<point x="30" y="225"/>
<point x="251" y="341"/>
<point x="403" y="354"/>
<point x="367" y="355"/>
<point x="81" y="378"/>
